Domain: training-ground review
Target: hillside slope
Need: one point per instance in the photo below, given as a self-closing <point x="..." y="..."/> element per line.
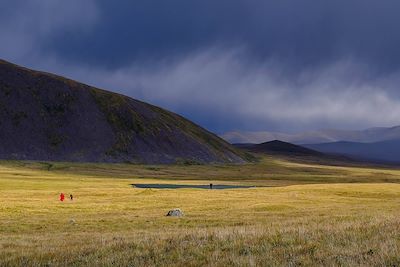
<point x="48" y="117"/>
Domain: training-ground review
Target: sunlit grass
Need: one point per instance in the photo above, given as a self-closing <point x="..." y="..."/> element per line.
<point x="312" y="215"/>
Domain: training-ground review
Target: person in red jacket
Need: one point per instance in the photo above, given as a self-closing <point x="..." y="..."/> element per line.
<point x="62" y="197"/>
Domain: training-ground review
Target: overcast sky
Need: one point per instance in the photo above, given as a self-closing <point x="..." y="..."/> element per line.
<point x="287" y="65"/>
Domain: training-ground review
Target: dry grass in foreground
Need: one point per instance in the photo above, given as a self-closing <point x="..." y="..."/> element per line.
<point x="372" y="241"/>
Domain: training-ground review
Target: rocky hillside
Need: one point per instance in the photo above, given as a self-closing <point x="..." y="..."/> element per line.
<point x="48" y="117"/>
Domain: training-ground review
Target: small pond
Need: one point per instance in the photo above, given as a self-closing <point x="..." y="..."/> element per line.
<point x="179" y="186"/>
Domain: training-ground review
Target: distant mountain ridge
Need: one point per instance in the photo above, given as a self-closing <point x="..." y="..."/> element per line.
<point x="384" y="151"/>
<point x="370" y="135"/>
<point x="47" y="117"/>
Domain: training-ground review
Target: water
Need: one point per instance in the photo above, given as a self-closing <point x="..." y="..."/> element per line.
<point x="179" y="186"/>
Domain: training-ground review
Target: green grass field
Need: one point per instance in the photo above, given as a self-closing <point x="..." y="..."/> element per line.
<point x="308" y="215"/>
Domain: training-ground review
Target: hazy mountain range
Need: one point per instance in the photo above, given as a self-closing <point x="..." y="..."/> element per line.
<point x="370" y="135"/>
<point x="48" y="117"/>
<point x="384" y="151"/>
<point x="379" y="144"/>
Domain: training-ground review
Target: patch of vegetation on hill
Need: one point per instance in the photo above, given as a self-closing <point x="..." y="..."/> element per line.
<point x="125" y="122"/>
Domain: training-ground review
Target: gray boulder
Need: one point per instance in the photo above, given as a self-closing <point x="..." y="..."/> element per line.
<point x="175" y="213"/>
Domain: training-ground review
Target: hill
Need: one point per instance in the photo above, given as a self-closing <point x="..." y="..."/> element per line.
<point x="48" y="117"/>
<point x="279" y="147"/>
<point x="297" y="153"/>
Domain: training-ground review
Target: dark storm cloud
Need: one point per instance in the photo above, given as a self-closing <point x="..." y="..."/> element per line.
<point x="255" y="65"/>
<point x="301" y="33"/>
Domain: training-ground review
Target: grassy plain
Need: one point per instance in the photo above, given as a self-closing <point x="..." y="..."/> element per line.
<point x="307" y="214"/>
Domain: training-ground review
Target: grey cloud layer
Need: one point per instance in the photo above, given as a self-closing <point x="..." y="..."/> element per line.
<point x="216" y="85"/>
<point x="25" y="26"/>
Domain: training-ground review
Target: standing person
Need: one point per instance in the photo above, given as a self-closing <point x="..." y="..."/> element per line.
<point x="71" y="197"/>
<point x="62" y="196"/>
<point x="211" y="185"/>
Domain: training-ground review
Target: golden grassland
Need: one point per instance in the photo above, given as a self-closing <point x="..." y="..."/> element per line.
<point x="307" y="214"/>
